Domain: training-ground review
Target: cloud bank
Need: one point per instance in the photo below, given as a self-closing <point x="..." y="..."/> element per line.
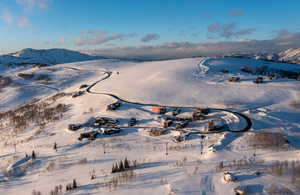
<point x="98" y="37"/>
<point x="150" y="37"/>
<point x="227" y="31"/>
<point x="169" y="50"/>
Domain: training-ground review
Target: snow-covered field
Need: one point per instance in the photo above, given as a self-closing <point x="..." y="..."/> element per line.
<point x="194" y="166"/>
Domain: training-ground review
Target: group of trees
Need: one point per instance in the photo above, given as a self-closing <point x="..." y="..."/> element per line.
<point x="32" y="113"/>
<point x="59" y="189"/>
<point x="123" y="165"/>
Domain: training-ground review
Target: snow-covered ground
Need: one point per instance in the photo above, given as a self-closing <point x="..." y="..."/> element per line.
<point x="190" y="167"/>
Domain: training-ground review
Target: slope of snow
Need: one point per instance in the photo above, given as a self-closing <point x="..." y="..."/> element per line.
<point x="290" y="55"/>
<point x="44" y="57"/>
<point x="185" y="170"/>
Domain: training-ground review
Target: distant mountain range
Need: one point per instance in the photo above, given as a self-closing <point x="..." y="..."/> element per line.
<point x="288" y="56"/>
<point x="44" y="57"/>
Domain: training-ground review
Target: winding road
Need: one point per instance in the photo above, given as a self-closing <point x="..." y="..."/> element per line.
<point x="238" y="114"/>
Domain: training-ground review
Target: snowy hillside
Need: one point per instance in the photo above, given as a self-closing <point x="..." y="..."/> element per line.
<point x="286" y="56"/>
<point x="290" y="55"/>
<point x="196" y="119"/>
<point x="43" y="57"/>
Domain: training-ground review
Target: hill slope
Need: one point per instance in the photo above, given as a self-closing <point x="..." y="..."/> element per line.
<point x="44" y="57"/>
<point x="194" y="166"/>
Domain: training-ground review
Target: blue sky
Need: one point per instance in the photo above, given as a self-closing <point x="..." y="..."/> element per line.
<point x="105" y="24"/>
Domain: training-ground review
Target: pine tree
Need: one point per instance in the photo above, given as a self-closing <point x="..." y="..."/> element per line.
<point x="74" y="184"/>
<point x="55" y="146"/>
<point x="113" y="169"/>
<point x="126" y="164"/>
<point x="33" y="156"/>
<point x="121" y="166"/>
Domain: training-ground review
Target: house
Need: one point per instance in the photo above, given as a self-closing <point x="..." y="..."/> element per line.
<point x="215" y="125"/>
<point x="157" y="132"/>
<point x="204" y="111"/>
<point x="198" y="116"/>
<point x="159" y="109"/>
<point x="89" y="135"/>
<point x="167" y="123"/>
<point x="113" y="106"/>
<point x="176" y="111"/>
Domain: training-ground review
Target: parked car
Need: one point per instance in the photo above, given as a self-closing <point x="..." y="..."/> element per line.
<point x="88" y="135"/>
<point x="113" y="106"/>
<point x="74" y="127"/>
<point x="259" y="80"/>
<point x="78" y="93"/>
<point x="132" y="121"/>
<point x="234" y="79"/>
<point x="110" y="131"/>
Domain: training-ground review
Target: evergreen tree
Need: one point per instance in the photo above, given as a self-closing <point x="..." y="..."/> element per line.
<point x="113" y="169"/>
<point x="55" y="146"/>
<point x="74" y="184"/>
<point x="33" y="156"/>
<point x="126" y="164"/>
<point x="121" y="166"/>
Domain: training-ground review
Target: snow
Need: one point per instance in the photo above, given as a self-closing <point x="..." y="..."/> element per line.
<point x="185" y="170"/>
<point x="44" y="57"/>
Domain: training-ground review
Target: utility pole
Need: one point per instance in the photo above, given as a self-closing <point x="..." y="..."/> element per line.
<point x="167" y="149"/>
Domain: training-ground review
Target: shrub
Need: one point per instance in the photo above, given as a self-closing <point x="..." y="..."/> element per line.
<point x="268" y="140"/>
<point x="5" y="81"/>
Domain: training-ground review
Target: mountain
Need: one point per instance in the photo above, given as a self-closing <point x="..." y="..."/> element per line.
<point x="44" y="57"/>
<point x="290" y="55"/>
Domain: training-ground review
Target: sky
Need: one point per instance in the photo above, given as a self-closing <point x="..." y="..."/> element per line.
<point x="150" y="28"/>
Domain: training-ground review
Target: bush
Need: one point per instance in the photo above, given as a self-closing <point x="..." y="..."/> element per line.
<point x="5" y="81"/>
<point x="123" y="165"/>
<point x="276" y="189"/>
<point x="268" y="140"/>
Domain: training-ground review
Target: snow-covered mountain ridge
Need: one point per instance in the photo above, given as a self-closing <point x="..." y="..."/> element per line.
<point x="291" y="56"/>
<point x="44" y="57"/>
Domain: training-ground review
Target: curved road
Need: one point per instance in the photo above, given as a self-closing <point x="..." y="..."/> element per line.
<point x="108" y="74"/>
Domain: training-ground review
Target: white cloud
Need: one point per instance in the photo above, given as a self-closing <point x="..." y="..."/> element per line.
<point x="28" y="5"/>
<point x="227" y="31"/>
<point x="98" y="37"/>
<point x="22" y="22"/>
<point x="62" y="40"/>
<point x="282" y="41"/>
<point x="150" y="37"/>
<point x="236" y="13"/>
<point x="7" y="17"/>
